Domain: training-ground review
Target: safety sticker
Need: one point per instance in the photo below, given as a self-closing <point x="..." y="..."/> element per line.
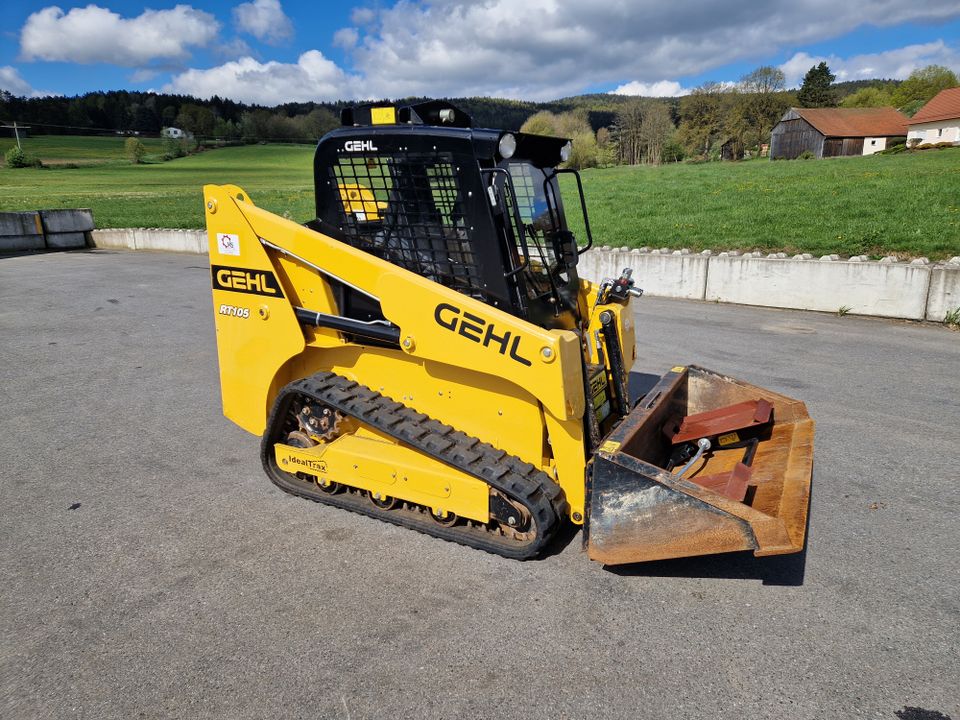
<point x="728" y="439"/>
<point x="228" y="244"/>
<point x="609" y="446"/>
<point x="678" y="369"/>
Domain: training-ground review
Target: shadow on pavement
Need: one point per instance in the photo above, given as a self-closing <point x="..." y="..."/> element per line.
<point x="786" y="570"/>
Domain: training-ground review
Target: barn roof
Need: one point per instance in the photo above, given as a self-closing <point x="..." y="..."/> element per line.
<point x="856" y="122"/>
<point x="945" y="105"/>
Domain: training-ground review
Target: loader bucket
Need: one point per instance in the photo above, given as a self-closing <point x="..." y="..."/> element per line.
<point x="749" y="491"/>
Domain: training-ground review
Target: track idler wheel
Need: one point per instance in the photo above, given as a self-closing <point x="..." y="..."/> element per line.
<point x="384" y="502"/>
<point x="328" y="486"/>
<point x="443" y="517"/>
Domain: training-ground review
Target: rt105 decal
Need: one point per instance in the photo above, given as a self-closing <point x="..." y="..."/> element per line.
<point x="235" y="311"/>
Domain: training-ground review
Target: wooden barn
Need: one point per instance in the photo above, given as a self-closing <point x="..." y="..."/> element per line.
<point x="732" y="149"/>
<point x="834" y="132"/>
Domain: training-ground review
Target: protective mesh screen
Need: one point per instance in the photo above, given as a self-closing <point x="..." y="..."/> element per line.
<point x="408" y="209"/>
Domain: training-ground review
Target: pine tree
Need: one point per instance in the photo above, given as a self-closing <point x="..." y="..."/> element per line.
<point x="816" y="91"/>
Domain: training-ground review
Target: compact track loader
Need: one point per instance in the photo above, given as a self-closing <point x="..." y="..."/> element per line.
<point x="424" y="352"/>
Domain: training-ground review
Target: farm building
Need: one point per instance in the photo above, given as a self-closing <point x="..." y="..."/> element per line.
<point x="938" y="120"/>
<point x="732" y="149"/>
<point x="832" y="132"/>
<point x="175" y="133"/>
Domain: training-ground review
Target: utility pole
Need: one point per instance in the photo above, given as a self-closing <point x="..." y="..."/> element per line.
<point x="16" y="131"/>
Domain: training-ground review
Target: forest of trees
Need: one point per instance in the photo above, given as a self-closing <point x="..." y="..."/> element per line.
<point x="218" y="118"/>
<point x="607" y="129"/>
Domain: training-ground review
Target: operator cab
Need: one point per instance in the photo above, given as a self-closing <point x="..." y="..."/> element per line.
<point x="476" y="210"/>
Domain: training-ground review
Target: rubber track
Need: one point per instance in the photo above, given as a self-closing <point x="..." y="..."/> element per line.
<point x="520" y="481"/>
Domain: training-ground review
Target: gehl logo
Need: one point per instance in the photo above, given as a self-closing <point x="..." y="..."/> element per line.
<point x="242" y="280"/>
<point x="359" y="146"/>
<point x="478" y="330"/>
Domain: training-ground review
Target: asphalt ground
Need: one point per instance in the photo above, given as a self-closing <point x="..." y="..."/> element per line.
<point x="149" y="569"/>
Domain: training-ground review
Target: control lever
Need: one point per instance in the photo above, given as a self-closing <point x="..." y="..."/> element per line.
<point x="617" y="290"/>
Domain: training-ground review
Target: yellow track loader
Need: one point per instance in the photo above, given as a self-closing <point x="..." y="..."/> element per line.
<point x="424" y="352"/>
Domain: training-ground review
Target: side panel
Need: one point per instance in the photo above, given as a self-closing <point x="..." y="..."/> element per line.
<point x="382" y="466"/>
<point x="257" y="331"/>
<point x="454" y="329"/>
<point x="481" y="405"/>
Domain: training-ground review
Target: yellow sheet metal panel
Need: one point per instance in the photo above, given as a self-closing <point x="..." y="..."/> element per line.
<point x="566" y="443"/>
<point x="378" y="465"/>
<point x="383" y="116"/>
<point x="257" y="331"/>
<point x="483" y="406"/>
<point x="449" y="327"/>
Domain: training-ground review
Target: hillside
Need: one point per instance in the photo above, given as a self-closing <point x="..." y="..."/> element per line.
<point x="122" y="110"/>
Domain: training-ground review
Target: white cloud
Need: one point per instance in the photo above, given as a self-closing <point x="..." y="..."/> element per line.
<point x="143" y="75"/>
<point x="661" y="88"/>
<point x="233" y="49"/>
<point x="264" y="19"/>
<point x="362" y="16"/>
<point x="13" y="82"/>
<point x="93" y="34"/>
<point x="547" y="49"/>
<point x="894" y="64"/>
<point x="544" y="49"/>
<point x="312" y="77"/>
<point x="346" y="38"/>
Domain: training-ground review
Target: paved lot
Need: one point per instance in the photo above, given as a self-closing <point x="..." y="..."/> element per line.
<point x="149" y="569"/>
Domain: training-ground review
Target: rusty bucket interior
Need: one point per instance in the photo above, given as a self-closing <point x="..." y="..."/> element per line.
<point x="651" y="496"/>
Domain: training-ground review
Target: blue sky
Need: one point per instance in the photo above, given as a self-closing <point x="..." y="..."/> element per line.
<point x="270" y="51"/>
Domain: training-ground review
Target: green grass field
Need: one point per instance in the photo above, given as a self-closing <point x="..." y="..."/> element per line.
<point x="169" y="194"/>
<point x="906" y="204"/>
<point x="58" y="150"/>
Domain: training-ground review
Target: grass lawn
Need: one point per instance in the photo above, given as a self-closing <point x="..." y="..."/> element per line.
<point x="169" y="194"/>
<point x="81" y="150"/>
<point x="906" y="204"/>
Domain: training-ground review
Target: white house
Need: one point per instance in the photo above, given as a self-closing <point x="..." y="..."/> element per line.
<point x="937" y="121"/>
<point x="175" y="133"/>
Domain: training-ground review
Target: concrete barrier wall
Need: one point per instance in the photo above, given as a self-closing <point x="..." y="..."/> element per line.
<point x="21" y="231"/>
<point x="64" y="229"/>
<point x="944" y="293"/>
<point x="865" y="288"/>
<point x="664" y="273"/>
<point x="190" y="241"/>
<point x="914" y="290"/>
<point x="45" y="230"/>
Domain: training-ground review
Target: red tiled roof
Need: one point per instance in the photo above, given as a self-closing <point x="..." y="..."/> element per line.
<point x="856" y="122"/>
<point x="944" y="106"/>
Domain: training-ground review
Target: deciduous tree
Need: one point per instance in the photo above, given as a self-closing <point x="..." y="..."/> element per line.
<point x="135" y="150"/>
<point x="918" y="89"/>
<point x="871" y="96"/>
<point x="701" y="119"/>
<point x="761" y="103"/>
